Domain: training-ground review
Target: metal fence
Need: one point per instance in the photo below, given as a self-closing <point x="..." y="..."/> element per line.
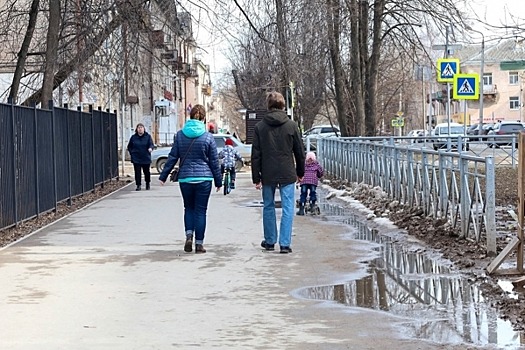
<point x="452" y="185"/>
<point x="49" y="156"/>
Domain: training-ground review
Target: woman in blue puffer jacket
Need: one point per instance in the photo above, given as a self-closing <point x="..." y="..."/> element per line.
<point x="198" y="167"/>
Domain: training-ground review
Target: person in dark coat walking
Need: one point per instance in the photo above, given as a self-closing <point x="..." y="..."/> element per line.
<point x="199" y="167"/>
<point x="277" y="162"/>
<point x="140" y="146"/>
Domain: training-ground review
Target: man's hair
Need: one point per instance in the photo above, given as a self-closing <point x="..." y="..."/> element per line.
<point x="275" y="100"/>
<point x="198" y="112"/>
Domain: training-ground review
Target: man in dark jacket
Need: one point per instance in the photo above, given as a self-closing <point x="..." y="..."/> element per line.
<point x="276" y="144"/>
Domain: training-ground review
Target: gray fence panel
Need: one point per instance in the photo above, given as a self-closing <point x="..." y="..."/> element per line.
<point x="443" y="184"/>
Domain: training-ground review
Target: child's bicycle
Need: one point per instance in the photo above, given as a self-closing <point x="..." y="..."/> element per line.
<point x="309" y="208"/>
<point x="227" y="182"/>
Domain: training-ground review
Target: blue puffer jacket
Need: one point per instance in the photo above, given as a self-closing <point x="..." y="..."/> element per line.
<point x="138" y="148"/>
<point x="201" y="162"/>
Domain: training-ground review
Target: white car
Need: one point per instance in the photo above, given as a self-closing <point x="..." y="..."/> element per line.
<point x="311" y="135"/>
<point x="442" y="134"/>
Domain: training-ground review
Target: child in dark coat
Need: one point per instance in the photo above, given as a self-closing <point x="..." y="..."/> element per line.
<point x="313" y="171"/>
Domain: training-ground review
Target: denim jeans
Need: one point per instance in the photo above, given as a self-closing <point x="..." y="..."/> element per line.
<point x="195" y="196"/>
<point x="269" y="219"/>
<point x="304" y="193"/>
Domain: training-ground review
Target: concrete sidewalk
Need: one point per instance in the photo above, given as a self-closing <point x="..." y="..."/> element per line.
<point x="114" y="276"/>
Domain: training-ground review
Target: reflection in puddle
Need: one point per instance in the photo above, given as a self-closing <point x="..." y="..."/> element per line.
<point x="446" y="306"/>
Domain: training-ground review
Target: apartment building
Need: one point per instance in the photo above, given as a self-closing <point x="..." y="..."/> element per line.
<point x="503" y="81"/>
<point x="147" y="69"/>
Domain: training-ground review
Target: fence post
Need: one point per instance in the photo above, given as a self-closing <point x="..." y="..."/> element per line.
<point x="81" y="142"/>
<point x="464" y="196"/>
<point x="53" y="135"/>
<point x="443" y="193"/>
<point x="93" y="146"/>
<point x="35" y="152"/>
<point x="410" y="178"/>
<point x="490" y="205"/>
<point x="69" y="180"/>
<point x="15" y="184"/>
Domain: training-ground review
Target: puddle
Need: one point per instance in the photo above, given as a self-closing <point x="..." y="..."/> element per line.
<point x="446" y="308"/>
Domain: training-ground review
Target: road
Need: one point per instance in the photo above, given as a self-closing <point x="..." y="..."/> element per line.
<point x="114" y="276"/>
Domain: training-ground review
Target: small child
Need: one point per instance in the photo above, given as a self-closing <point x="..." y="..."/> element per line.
<point x="313" y="171"/>
<point x="229" y="155"/>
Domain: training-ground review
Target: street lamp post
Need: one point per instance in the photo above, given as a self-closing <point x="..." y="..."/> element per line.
<point x="481" y="95"/>
<point x="482" y="72"/>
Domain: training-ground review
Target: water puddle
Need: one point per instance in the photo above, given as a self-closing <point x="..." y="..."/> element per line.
<point x="447" y="308"/>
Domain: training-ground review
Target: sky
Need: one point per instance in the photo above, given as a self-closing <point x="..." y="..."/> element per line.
<point x="497" y="13"/>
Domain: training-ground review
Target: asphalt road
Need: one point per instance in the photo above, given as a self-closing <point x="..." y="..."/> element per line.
<point x="114" y="276"/>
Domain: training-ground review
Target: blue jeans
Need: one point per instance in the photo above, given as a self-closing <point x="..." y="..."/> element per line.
<point x="269" y="219"/>
<point x="195" y="196"/>
<point x="304" y="193"/>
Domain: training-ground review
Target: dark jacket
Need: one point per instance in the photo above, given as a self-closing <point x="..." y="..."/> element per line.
<point x="138" y="148"/>
<point x="276" y="143"/>
<point x="200" y="162"/>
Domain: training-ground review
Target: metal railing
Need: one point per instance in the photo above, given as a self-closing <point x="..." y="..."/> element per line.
<point x="456" y="186"/>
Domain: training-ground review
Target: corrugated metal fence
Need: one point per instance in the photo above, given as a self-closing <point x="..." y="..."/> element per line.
<point x="49" y="156"/>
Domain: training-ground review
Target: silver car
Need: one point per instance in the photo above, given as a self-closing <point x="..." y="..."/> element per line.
<point x="159" y="156"/>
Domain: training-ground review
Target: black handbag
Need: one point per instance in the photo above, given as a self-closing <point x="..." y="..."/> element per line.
<point x="174" y="176"/>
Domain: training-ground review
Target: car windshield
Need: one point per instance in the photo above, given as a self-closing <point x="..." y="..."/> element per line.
<point x="454" y="130"/>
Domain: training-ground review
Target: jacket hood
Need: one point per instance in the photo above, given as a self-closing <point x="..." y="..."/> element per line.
<point x="193" y="128"/>
<point x="275" y="117"/>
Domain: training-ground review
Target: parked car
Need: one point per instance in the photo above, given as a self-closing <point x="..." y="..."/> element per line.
<point x="473" y="130"/>
<point x="159" y="156"/>
<point x="420" y="133"/>
<point x="441" y="135"/>
<point x="507" y="128"/>
<point x="311" y="135"/>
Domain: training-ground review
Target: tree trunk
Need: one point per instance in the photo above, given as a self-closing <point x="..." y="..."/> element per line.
<point x="51" y="52"/>
<point x="372" y="69"/>
<point x="356" y="64"/>
<point x="281" y="35"/>
<point x="80" y="58"/>
<point x="22" y="54"/>
<point x="333" y="20"/>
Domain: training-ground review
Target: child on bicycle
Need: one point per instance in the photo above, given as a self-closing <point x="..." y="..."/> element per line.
<point x="229" y="155"/>
<point x="313" y="171"/>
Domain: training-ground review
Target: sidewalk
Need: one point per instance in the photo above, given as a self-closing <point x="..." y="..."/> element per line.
<point x="114" y="276"/>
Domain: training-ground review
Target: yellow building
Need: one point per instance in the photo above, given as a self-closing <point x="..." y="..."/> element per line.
<point x="503" y="76"/>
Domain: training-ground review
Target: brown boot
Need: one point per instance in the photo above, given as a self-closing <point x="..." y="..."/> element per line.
<point x="188" y="245"/>
<point x="199" y="249"/>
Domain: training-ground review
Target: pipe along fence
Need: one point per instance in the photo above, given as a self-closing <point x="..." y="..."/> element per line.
<point x="51" y="156"/>
<point x="455" y="186"/>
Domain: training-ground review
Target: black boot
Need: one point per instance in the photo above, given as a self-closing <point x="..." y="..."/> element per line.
<point x="138" y="188"/>
<point x="301" y="209"/>
<point x="147" y="186"/>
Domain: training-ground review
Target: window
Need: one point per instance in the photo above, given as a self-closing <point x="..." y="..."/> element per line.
<point x="513" y="78"/>
<point x="487" y="79"/>
<point x="219" y="141"/>
<point x="514" y="102"/>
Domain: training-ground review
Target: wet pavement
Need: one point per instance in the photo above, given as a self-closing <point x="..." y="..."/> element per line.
<point x="411" y="283"/>
<point x="114" y="276"/>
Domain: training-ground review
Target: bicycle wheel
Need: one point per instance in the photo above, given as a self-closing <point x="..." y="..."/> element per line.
<point x="226" y="184"/>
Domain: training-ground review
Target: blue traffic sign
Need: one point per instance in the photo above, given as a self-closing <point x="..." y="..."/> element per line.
<point x="466" y="87"/>
<point x="446" y="69"/>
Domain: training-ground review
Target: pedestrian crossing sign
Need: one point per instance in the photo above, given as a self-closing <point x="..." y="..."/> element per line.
<point x="446" y="69"/>
<point x="466" y="87"/>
